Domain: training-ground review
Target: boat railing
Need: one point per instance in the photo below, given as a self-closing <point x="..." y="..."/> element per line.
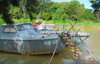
<point x="67" y="27"/>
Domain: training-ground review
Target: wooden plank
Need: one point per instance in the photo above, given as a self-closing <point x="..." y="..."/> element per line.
<point x="66" y="37"/>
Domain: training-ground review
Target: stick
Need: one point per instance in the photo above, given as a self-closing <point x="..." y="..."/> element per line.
<point x="84" y="45"/>
<point x="53" y="54"/>
<point x="76" y="33"/>
<point x="71" y="27"/>
<point x="87" y="48"/>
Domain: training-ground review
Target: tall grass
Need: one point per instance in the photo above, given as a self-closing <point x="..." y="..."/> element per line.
<point x="87" y="23"/>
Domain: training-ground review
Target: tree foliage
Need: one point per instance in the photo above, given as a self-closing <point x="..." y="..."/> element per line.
<point x="49" y="10"/>
<point x="4" y="9"/>
<point x="72" y="9"/>
<point x="63" y="11"/>
<point x="46" y="16"/>
<point x="64" y="17"/>
<point x="87" y="15"/>
<point x="30" y="5"/>
<point x="95" y="4"/>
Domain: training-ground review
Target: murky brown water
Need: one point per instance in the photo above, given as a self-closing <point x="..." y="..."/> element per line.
<point x="93" y="42"/>
<point x="64" y="57"/>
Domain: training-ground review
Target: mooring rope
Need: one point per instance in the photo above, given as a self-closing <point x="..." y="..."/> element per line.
<point x="96" y="59"/>
<point x="53" y="53"/>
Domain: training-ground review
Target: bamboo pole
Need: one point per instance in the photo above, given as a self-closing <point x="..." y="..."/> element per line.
<point x="84" y="45"/>
<point x="76" y="33"/>
<point x="87" y="48"/>
<point x="71" y="27"/>
<point x="53" y="53"/>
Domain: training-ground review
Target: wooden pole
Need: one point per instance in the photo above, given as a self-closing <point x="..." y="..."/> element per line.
<point x="71" y="27"/>
<point x="76" y="33"/>
<point x="84" y="44"/>
<point x="53" y="53"/>
<point x="86" y="48"/>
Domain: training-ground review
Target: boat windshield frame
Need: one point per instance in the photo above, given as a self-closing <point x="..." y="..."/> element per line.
<point x="27" y="27"/>
<point x="20" y="28"/>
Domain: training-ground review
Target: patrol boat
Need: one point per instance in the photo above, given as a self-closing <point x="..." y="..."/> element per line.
<point x="21" y="38"/>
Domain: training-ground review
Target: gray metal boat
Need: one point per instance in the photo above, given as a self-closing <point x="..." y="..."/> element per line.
<point x="48" y="29"/>
<point x="83" y="35"/>
<point x="21" y="38"/>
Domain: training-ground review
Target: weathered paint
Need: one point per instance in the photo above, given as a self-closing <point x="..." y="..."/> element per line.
<point x="29" y="42"/>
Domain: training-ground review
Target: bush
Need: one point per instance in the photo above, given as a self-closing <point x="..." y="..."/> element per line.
<point x="46" y="16"/>
<point x="64" y="17"/>
<point x="87" y="15"/>
<point x="74" y="17"/>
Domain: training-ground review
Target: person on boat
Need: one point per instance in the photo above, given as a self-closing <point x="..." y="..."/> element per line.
<point x="36" y="24"/>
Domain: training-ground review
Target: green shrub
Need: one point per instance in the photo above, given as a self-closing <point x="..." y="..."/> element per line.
<point x="64" y="17"/>
<point x="86" y="15"/>
<point x="46" y="16"/>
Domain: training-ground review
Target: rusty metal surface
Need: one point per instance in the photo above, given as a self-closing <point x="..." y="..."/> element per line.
<point x="32" y="46"/>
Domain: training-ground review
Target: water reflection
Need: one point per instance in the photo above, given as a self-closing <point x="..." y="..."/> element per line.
<point x="22" y="59"/>
<point x="7" y="58"/>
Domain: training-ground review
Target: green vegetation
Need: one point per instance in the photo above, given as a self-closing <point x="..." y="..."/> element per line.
<point x="50" y="12"/>
<point x="91" y="24"/>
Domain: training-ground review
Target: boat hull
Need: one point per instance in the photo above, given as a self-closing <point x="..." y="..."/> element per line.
<point x="32" y="47"/>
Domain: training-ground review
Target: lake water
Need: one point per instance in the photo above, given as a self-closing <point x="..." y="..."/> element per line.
<point x="64" y="57"/>
<point x="93" y="42"/>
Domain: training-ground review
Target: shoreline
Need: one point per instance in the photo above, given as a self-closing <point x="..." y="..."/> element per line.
<point x="89" y="26"/>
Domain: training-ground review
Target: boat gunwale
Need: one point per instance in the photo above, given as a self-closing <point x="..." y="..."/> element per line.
<point x="30" y="39"/>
